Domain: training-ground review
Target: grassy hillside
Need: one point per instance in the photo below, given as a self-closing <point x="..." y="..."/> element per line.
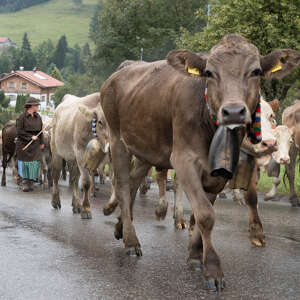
<point x="50" y="20"/>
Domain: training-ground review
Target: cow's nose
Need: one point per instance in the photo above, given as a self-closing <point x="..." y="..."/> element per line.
<point x="285" y="160"/>
<point x="234" y="114"/>
<point x="269" y="143"/>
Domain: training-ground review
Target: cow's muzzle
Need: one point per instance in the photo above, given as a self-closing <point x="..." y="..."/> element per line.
<point x="234" y="114"/>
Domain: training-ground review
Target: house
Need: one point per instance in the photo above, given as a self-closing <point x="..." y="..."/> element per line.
<point x="35" y="83"/>
<point x="6" y="42"/>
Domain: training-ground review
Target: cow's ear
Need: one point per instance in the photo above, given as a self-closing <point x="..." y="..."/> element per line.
<point x="275" y="105"/>
<point x="279" y="63"/>
<point x="187" y="62"/>
<point x="88" y="113"/>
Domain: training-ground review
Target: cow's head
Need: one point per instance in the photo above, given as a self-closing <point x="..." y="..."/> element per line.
<point x="284" y="141"/>
<point x="268" y="125"/>
<point x="233" y="69"/>
<point x="96" y="114"/>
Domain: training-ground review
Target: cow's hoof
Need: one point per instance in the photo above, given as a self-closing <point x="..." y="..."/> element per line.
<point x="86" y="215"/>
<point x="108" y="209"/>
<point x="3" y="183"/>
<point x="118" y="234"/>
<point x="76" y="209"/>
<point x="180" y="224"/>
<point x="214" y="285"/>
<point x="257" y="236"/>
<point x="196" y="264"/>
<point x="137" y="251"/>
<point x="55" y="204"/>
<point x="161" y="210"/>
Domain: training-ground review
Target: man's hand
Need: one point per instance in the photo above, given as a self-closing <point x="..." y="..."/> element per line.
<point x="34" y="137"/>
<point x="42" y="146"/>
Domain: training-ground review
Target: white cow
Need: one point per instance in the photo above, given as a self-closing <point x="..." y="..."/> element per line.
<point x="71" y="134"/>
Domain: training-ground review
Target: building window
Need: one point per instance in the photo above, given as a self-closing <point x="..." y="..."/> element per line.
<point x="24" y="85"/>
<point x="12" y="97"/>
<point x="11" y="84"/>
<point x="43" y="98"/>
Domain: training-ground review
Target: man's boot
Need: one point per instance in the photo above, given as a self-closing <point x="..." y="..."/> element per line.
<point x="25" y="185"/>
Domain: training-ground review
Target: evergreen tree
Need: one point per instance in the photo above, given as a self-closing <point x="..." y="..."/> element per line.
<point x="27" y="58"/>
<point x="21" y="100"/>
<point x="60" y="52"/>
<point x="4" y="101"/>
<point x="55" y="73"/>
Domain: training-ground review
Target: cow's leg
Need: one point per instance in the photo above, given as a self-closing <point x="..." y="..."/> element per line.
<point x="256" y="233"/>
<point x="86" y="184"/>
<point x="272" y="193"/>
<point x="4" y="166"/>
<point x="162" y="207"/>
<point x="126" y="185"/>
<point x="56" y="169"/>
<point x="290" y="171"/>
<point x="15" y="167"/>
<point x="112" y="204"/>
<point x="73" y="181"/>
<point x="238" y="196"/>
<point x="178" y="216"/>
<point x="93" y="185"/>
<point x="64" y="170"/>
<point x="138" y="171"/>
<point x="190" y="174"/>
<point x="44" y="167"/>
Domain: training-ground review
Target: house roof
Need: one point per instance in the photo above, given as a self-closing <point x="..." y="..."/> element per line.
<point x="3" y="39"/>
<point x="36" y="77"/>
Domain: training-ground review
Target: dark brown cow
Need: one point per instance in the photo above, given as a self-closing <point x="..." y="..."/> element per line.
<point x="9" y="133"/>
<point x="157" y="112"/>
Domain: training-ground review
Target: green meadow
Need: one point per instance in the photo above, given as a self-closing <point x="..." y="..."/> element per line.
<point x="50" y="20"/>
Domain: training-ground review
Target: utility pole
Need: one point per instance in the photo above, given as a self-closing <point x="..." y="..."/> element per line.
<point x="142" y="50"/>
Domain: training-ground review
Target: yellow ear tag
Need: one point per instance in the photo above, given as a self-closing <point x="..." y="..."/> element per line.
<point x="194" y="71"/>
<point x="276" y="68"/>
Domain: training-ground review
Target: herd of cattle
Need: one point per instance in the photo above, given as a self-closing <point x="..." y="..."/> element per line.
<point x="161" y="114"/>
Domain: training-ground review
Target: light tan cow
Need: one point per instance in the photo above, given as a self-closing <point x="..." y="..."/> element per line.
<point x="71" y="134"/>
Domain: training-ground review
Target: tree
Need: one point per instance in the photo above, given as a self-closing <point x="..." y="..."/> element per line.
<point x="44" y="53"/>
<point x="27" y="58"/>
<point x="21" y="100"/>
<point x="122" y="28"/>
<point x="4" y="101"/>
<point x="269" y="25"/>
<point x="56" y="74"/>
<point x="60" y="52"/>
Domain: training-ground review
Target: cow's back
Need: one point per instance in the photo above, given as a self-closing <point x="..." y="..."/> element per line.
<point x="70" y="129"/>
<point x="145" y="100"/>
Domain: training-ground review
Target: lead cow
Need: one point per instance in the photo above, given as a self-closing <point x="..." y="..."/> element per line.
<point x="157" y="112"/>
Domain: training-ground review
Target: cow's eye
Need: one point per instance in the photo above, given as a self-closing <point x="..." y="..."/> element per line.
<point x="100" y="123"/>
<point x="256" y="72"/>
<point x="208" y="74"/>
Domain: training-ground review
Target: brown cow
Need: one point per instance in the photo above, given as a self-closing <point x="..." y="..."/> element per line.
<point x="9" y="133"/>
<point x="157" y="112"/>
<point x="291" y="118"/>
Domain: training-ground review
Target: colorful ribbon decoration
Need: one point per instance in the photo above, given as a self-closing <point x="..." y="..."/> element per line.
<point x="254" y="129"/>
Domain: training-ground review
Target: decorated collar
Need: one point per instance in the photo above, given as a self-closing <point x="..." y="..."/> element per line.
<point x="94" y="122"/>
<point x="254" y="129"/>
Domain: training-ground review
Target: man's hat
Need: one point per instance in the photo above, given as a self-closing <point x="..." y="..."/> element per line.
<point x="31" y="102"/>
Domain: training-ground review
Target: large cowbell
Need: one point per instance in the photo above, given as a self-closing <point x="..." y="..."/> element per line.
<point x="224" y="151"/>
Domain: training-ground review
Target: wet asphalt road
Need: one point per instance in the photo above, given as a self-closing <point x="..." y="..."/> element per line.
<point x="48" y="254"/>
